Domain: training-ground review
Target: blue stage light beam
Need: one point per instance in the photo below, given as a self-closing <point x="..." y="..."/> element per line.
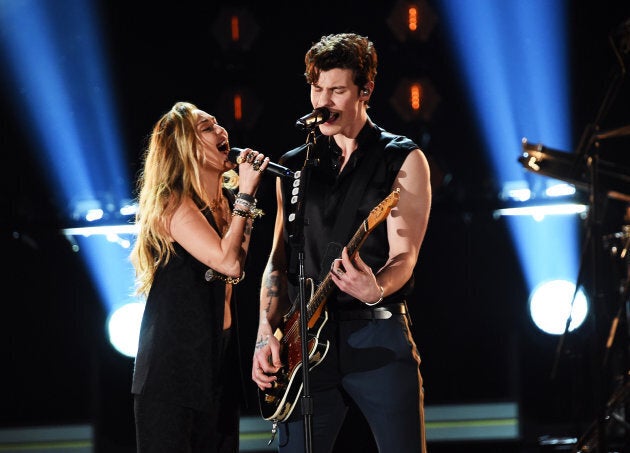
<point x="109" y="255"/>
<point x="52" y="58"/>
<point x="513" y="58"/>
<point x="55" y="66"/>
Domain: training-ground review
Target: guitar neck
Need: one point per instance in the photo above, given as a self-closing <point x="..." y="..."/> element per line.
<point x="327" y="285"/>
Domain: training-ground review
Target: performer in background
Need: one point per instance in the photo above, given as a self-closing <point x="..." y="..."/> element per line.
<point x="193" y="238"/>
<point x="372" y="358"/>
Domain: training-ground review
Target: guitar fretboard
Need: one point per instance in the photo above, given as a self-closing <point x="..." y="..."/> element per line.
<point x="327" y="285"/>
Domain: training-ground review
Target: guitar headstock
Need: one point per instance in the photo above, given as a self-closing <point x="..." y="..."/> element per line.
<point x="382" y="210"/>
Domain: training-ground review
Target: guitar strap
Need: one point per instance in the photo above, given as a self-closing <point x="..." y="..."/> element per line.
<point x="343" y="224"/>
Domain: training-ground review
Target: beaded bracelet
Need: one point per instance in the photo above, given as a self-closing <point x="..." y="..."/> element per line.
<point x="242" y="213"/>
<point x="380" y="299"/>
<point x="212" y="275"/>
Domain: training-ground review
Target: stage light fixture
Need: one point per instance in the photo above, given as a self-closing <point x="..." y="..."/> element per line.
<point x="128" y="208"/>
<point x="123" y="327"/>
<point x="559" y="189"/>
<point x="556" y="198"/>
<point x="539" y="211"/>
<point x="556" y="303"/>
<point x="235" y="29"/>
<point x="412" y="20"/>
<point x="415" y="99"/>
<point x="238" y="108"/>
<point x="515" y="191"/>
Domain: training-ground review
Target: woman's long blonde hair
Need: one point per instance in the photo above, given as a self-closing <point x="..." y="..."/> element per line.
<point x="171" y="171"/>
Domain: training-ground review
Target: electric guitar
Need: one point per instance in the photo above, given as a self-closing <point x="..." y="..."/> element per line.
<point x="278" y="402"/>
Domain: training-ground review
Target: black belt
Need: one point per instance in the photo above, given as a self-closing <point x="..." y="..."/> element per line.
<point x="371" y="313"/>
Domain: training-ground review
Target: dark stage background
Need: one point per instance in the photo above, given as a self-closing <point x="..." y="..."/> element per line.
<point x="469" y="309"/>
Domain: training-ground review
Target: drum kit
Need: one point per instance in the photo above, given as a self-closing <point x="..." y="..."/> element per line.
<point x="602" y="179"/>
<point x="612" y="179"/>
<point x="608" y="184"/>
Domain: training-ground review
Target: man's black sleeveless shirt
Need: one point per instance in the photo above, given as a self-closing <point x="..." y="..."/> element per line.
<point x="325" y="193"/>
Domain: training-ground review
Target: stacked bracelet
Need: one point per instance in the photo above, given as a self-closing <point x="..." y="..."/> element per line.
<point x="380" y="299"/>
<point x="247" y="197"/>
<point x="241" y="213"/>
<point x="248" y="214"/>
<point x="248" y="203"/>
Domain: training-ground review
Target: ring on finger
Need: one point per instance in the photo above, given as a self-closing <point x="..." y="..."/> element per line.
<point x="256" y="165"/>
<point x="240" y="160"/>
<point x="250" y="158"/>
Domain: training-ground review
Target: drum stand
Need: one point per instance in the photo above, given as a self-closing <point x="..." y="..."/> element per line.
<point x="612" y="429"/>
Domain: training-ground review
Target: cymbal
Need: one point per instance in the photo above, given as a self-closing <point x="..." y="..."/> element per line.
<point x="612" y="179"/>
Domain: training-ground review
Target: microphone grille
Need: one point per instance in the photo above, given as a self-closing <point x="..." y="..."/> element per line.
<point x="233" y="154"/>
<point x="324" y="112"/>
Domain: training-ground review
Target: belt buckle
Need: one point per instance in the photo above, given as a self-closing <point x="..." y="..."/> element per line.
<point x="381" y="313"/>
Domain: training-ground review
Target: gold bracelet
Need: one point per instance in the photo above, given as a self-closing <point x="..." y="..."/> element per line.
<point x="251" y="214"/>
<point x="256" y="213"/>
<point x="242" y="213"/>
<point x="212" y="275"/>
<point x="380" y="299"/>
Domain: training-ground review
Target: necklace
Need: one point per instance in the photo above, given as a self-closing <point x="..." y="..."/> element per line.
<point x="214" y="204"/>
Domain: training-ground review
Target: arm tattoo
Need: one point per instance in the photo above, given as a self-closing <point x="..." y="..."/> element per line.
<point x="272" y="286"/>
<point x="248" y="230"/>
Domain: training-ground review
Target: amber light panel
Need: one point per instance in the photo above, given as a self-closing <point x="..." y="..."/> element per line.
<point x="415" y="96"/>
<point x="412" y="21"/>
<point x="238" y="107"/>
<point x="235" y="28"/>
<point x="415" y="99"/>
<point x="412" y="18"/>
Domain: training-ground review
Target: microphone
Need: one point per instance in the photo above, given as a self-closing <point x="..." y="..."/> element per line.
<point x="274" y="168"/>
<point x="316" y="117"/>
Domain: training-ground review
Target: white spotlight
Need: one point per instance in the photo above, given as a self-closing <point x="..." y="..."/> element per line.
<point x="123" y="328"/>
<point x="550" y="306"/>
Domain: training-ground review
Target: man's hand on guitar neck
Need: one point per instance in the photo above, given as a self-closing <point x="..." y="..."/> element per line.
<point x="353" y="276"/>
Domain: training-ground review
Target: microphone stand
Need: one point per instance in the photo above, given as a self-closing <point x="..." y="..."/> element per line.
<point x="296" y="238"/>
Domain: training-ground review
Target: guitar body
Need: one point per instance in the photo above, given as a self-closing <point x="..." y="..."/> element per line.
<point x="278" y="402"/>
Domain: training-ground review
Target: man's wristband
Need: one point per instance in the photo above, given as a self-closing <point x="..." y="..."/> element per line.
<point x="380" y="299"/>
